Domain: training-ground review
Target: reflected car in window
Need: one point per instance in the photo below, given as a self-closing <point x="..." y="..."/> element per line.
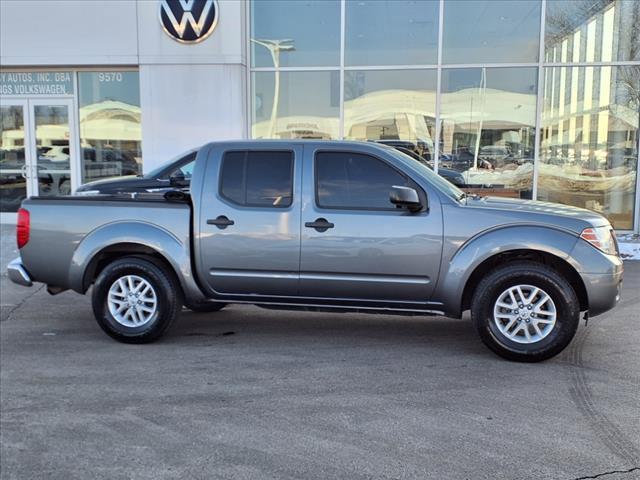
<point x="410" y="149"/>
<point x="173" y="174"/>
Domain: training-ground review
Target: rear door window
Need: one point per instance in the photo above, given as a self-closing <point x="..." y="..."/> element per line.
<point x="257" y="178"/>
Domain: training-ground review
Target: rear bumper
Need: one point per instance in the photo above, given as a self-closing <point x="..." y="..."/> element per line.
<point x="18" y="274"/>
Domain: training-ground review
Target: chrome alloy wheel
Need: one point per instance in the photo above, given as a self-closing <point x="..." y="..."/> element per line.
<point x="132" y="301"/>
<point x="524" y="314"/>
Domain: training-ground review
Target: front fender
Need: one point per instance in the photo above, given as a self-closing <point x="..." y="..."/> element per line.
<point x="481" y="247"/>
<point x="172" y="249"/>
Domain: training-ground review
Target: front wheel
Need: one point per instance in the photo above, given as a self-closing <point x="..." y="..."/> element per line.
<point x="525" y="311"/>
<point x="135" y="300"/>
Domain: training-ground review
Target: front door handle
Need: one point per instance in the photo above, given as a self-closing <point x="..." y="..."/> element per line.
<point x="320" y="224"/>
<point x="221" y="222"/>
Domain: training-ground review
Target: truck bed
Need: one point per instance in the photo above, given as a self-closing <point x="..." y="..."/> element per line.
<point x="60" y="227"/>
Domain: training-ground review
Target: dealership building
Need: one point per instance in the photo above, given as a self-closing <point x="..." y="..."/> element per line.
<point x="528" y="99"/>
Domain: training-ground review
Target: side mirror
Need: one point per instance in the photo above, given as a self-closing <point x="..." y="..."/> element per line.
<point x="178" y="180"/>
<point x="405" y="197"/>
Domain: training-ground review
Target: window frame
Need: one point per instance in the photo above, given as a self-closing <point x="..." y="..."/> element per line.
<point x="244" y="177"/>
<point x="412" y="183"/>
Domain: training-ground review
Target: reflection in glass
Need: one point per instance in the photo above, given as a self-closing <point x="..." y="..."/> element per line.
<point x="355" y="180"/>
<point x="589" y="142"/>
<point x="592" y="31"/>
<point x="391" y="32"/>
<point x="110" y="129"/>
<point x="13" y="184"/>
<point x="488" y="128"/>
<point x="499" y="31"/>
<point x="299" y="105"/>
<point x="53" y="157"/>
<point x="313" y="27"/>
<point x="391" y="105"/>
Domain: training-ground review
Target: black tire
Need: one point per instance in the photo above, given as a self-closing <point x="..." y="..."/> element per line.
<point x="168" y="297"/>
<point x="537" y="275"/>
<point x="205" y="307"/>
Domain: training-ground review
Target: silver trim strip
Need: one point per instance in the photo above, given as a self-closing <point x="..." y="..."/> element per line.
<point x="350" y="277"/>
<point x="253" y="274"/>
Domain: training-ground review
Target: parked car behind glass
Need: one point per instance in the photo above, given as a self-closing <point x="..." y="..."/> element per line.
<point x="173" y="174"/>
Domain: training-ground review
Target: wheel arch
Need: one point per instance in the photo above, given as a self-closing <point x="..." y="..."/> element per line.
<point x="563" y="267"/>
<point x="121" y="239"/>
<point x="120" y="250"/>
<point x="542" y="244"/>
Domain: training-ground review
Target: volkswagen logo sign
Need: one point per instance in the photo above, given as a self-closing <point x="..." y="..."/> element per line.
<point x="189" y="21"/>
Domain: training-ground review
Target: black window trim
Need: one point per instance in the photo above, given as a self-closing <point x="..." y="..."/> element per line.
<point x="166" y="174"/>
<point x="413" y="184"/>
<point x="246" y="152"/>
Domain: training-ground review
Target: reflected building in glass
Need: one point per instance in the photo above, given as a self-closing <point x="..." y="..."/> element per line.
<point x="530" y="99"/>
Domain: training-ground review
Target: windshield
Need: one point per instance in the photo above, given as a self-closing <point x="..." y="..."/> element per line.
<point x="157" y="172"/>
<point x="443" y="185"/>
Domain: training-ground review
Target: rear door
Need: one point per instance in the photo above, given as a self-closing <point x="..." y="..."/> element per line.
<point x="249" y="230"/>
<point x="355" y="244"/>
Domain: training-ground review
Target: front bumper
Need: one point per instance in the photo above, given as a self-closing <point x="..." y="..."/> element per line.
<point x="603" y="291"/>
<point x="602" y="277"/>
<point x="18" y="274"/>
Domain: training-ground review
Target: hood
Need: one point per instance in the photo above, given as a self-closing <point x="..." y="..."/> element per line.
<point x="97" y="183"/>
<point x="565" y="216"/>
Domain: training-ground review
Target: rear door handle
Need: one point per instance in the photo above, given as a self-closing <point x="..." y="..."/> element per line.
<point x="320" y="224"/>
<point x="221" y="222"/>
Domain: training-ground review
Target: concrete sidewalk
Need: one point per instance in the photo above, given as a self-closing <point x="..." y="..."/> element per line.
<point x="255" y="394"/>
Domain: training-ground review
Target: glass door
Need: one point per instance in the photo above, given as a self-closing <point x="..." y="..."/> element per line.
<point x="13" y="155"/>
<point x="53" y="158"/>
<point x="38" y="152"/>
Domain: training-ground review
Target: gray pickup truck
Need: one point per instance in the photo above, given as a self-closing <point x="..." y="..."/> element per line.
<point x="338" y="226"/>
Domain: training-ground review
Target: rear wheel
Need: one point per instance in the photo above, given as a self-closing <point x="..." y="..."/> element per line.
<point x="525" y="311"/>
<point x="135" y="300"/>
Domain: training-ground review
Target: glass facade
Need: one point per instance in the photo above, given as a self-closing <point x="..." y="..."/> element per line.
<point x="283" y="107"/>
<point x="589" y="144"/>
<point x="60" y="129"/>
<point x="531" y="99"/>
<point x="110" y="130"/>
<point x="408" y="35"/>
<point x="498" y="31"/>
<point x="488" y="118"/>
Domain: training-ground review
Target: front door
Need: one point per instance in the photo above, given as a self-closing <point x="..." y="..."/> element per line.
<point x="249" y="230"/>
<point x="355" y="244"/>
<point x="37" y="150"/>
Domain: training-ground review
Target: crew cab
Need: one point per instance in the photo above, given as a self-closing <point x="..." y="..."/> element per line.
<point x="339" y="226"/>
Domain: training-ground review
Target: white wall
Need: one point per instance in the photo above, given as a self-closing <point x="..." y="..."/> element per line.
<point x="190" y="94"/>
<point x="224" y="46"/>
<point x="68" y="32"/>
<point x="185" y="106"/>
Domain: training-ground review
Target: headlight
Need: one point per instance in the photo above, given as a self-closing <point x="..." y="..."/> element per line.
<point x="85" y="193"/>
<point x="603" y="238"/>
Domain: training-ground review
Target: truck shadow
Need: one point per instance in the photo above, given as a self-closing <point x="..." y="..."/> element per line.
<point x="252" y="325"/>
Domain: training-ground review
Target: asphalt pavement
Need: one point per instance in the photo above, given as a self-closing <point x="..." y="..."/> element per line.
<point x="248" y="393"/>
